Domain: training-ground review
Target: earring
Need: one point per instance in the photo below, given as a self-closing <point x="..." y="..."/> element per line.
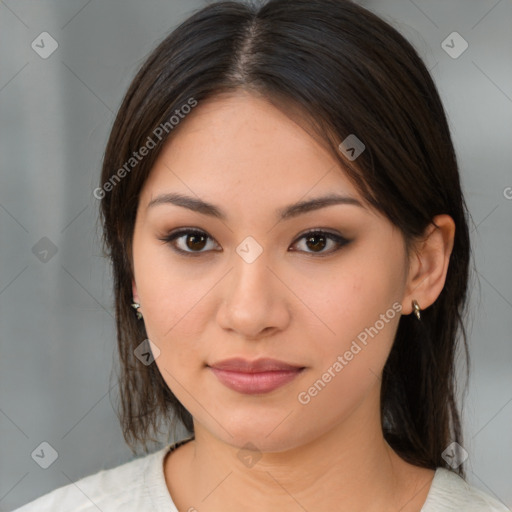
<point x="417" y="309"/>
<point x="136" y="306"/>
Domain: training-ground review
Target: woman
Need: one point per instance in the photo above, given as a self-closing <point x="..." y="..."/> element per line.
<point x="282" y="207"/>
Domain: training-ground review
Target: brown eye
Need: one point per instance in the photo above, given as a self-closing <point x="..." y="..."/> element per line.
<point x="316" y="241"/>
<point x="190" y="242"/>
<point x="195" y="242"/>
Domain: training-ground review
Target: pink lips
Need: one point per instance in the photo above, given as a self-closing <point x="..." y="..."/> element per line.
<point x="260" y="376"/>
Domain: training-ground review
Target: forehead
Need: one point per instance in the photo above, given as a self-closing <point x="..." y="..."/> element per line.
<point x="241" y="146"/>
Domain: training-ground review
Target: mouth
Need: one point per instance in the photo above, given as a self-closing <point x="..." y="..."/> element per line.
<point x="255" y="377"/>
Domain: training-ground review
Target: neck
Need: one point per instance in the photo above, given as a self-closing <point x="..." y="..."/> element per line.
<point x="351" y="464"/>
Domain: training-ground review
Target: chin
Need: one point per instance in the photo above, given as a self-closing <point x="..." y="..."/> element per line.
<point x="268" y="432"/>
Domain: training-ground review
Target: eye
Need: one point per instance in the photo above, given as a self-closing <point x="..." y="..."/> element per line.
<point x="316" y="240"/>
<point x="192" y="239"/>
<point x="193" y="242"/>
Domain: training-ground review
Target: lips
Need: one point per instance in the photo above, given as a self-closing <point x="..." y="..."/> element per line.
<point x="254" y="377"/>
<point x="260" y="365"/>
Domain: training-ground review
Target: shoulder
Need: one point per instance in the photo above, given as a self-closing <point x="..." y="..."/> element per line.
<point x="449" y="492"/>
<point x="120" y="488"/>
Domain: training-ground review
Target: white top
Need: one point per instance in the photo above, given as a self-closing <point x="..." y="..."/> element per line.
<point x="139" y="485"/>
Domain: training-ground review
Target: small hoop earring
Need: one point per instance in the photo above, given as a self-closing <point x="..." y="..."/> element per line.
<point x="417" y="309"/>
<point x="136" y="306"/>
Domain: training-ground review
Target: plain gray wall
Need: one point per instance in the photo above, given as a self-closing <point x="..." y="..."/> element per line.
<point x="56" y="316"/>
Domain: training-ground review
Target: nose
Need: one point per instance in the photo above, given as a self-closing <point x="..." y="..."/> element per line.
<point x="255" y="300"/>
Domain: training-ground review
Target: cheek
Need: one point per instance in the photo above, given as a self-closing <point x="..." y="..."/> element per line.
<point x="359" y="314"/>
<point x="346" y="301"/>
<point x="348" y="365"/>
<point x="168" y="292"/>
<point x="176" y="325"/>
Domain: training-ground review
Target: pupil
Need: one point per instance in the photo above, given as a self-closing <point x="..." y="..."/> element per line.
<point x="316" y="246"/>
<point x="194" y="238"/>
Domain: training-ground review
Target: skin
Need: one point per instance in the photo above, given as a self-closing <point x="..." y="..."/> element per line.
<point x="245" y="156"/>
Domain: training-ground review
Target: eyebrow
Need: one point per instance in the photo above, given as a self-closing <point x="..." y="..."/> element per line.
<point x="292" y="210"/>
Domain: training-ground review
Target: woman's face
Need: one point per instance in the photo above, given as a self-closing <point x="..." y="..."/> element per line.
<point x="252" y="284"/>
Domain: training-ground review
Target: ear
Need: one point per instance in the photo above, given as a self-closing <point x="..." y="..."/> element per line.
<point x="429" y="264"/>
<point x="134" y="292"/>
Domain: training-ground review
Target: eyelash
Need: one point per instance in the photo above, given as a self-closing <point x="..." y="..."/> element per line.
<point x="339" y="240"/>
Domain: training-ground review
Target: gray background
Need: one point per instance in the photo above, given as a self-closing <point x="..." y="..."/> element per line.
<point x="56" y="315"/>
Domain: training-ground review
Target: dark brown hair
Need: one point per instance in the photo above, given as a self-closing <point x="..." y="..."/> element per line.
<point x="342" y="70"/>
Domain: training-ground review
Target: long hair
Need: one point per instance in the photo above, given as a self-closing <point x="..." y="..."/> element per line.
<point x="340" y="70"/>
